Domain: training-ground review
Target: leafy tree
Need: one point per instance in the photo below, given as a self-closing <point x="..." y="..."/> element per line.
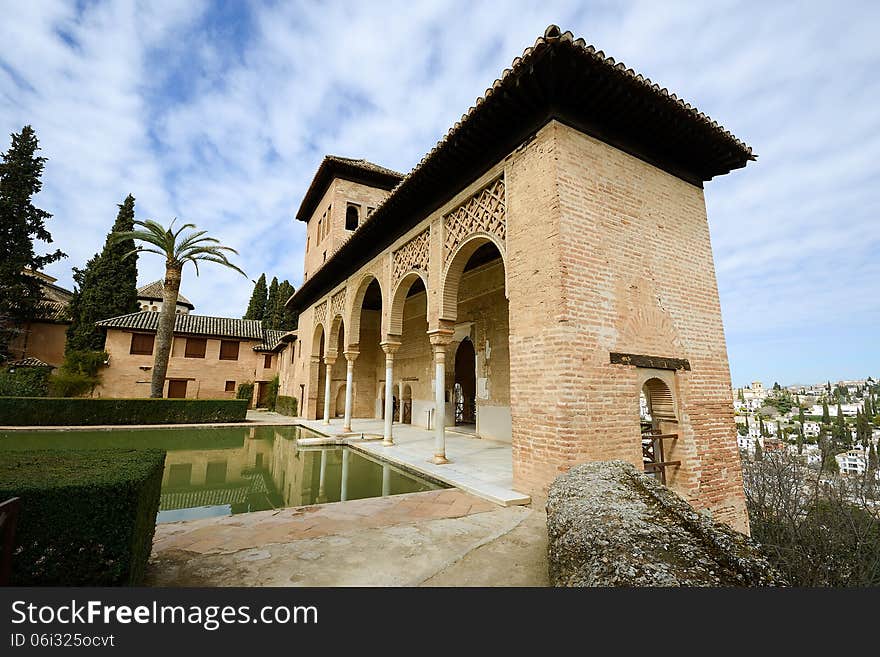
<point x="20" y="224"/>
<point x="257" y="306"/>
<point x="107" y="287"/>
<point x="177" y="250"/>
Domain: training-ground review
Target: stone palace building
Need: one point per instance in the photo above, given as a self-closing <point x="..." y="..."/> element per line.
<point x="546" y="264"/>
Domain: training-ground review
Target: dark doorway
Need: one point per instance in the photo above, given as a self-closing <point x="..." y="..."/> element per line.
<point x="262" y="394"/>
<point x="465" y="389"/>
<point x="176" y="389"/>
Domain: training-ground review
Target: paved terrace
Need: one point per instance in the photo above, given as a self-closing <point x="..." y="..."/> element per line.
<point x="481" y="467"/>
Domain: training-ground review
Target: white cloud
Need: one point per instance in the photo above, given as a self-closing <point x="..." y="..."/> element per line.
<point x="219" y="114"/>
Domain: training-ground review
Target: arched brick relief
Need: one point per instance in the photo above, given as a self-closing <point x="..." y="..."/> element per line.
<point x="395" y="316"/>
<point x="484" y="212"/>
<point x="316" y="340"/>
<point x="332" y="341"/>
<point x="353" y="337"/>
<point x="412" y="256"/>
<point x="455" y="268"/>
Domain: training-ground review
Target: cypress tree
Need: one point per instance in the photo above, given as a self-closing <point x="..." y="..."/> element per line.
<point x="872" y="459"/>
<point x="779" y="429"/>
<point x="288" y="317"/>
<point x="800" y="440"/>
<point x="257" y="306"/>
<point x="801" y="417"/>
<point x="759" y="451"/>
<point x="106" y="287"/>
<point x="272" y="317"/>
<point x="20" y="224"/>
<point x="826" y="416"/>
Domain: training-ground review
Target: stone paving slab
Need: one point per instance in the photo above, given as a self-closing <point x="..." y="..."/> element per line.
<point x="232" y="534"/>
<point x="498" y="547"/>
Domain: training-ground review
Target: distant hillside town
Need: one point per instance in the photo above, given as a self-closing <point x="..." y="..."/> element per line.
<point x="835" y="425"/>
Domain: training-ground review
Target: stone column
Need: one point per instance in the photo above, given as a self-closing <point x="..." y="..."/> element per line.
<point x="328" y="370"/>
<point x="400" y="402"/>
<point x="389" y="347"/>
<point x="343" y="491"/>
<point x="350" y="357"/>
<point x="386" y="480"/>
<point x="321" y="477"/>
<point x="440" y="338"/>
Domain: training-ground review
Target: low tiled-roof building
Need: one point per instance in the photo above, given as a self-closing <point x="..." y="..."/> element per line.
<point x="210" y="356"/>
<point x="44" y="338"/>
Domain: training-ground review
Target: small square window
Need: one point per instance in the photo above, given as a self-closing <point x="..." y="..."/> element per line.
<point x="230" y="386"/>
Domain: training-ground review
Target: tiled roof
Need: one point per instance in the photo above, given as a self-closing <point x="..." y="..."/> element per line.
<point x="333" y="166"/>
<point x="561" y="78"/>
<point x="52" y="311"/>
<point x="154" y="291"/>
<point x="221" y="327"/>
<point x="272" y="339"/>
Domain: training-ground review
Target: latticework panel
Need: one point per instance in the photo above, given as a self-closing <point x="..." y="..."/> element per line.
<point x="483" y="212"/>
<point x="412" y="255"/>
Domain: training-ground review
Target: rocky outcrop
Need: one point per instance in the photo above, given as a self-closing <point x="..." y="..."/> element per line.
<point x="610" y="525"/>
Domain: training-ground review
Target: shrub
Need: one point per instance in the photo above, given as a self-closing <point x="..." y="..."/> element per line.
<point x="87" y="517"/>
<point x="78" y="375"/>
<point x="71" y="384"/>
<point x="272" y="394"/>
<point x="286" y="405"/>
<point x="42" y="411"/>
<point x="24" y="382"/>
<point x="245" y="391"/>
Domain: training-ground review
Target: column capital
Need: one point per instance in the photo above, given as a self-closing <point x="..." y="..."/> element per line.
<point x="351" y="355"/>
<point x="329" y="359"/>
<point x="440" y="337"/>
<point x="390" y="346"/>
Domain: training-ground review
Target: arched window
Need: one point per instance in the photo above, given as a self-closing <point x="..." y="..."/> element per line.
<point x="658" y="423"/>
<point x="352" y="216"/>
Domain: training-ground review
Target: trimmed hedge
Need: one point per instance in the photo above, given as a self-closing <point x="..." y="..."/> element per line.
<point x="286" y="405"/>
<point x="87" y="516"/>
<point x="42" y="411"/>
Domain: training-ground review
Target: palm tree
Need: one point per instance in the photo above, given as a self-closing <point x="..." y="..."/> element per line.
<point x="177" y="251"/>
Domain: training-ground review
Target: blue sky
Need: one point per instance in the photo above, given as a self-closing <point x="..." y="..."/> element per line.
<point x="219" y="113"/>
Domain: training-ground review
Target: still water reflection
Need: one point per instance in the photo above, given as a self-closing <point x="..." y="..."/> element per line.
<point x="228" y="470"/>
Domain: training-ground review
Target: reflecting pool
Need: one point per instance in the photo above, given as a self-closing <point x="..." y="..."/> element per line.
<point x="220" y="471"/>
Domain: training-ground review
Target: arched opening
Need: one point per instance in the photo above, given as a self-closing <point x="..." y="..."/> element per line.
<point x="407" y="404"/>
<point x="352" y="217"/>
<point x="318" y="373"/>
<point x="413" y="362"/>
<point x="465" y="387"/>
<point x="659" y="429"/>
<point x="364" y="335"/>
<point x="474" y="299"/>
<point x="339" y="410"/>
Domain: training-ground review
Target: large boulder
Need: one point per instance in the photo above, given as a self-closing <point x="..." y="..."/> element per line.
<point x="609" y="524"/>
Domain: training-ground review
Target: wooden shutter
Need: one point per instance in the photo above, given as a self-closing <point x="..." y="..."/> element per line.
<point x="195" y="347"/>
<point x="229" y="350"/>
<point x="142" y="344"/>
